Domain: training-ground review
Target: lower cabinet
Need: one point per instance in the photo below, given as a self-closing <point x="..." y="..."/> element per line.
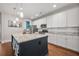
<point x="70" y="42"/>
<point x="61" y="40"/>
<point x="52" y="39"/>
<point x="73" y="42"/>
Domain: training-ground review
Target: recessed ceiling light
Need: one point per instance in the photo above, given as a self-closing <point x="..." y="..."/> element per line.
<point x="54" y="5"/>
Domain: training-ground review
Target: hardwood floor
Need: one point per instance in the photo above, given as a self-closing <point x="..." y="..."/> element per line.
<point x="6" y="50"/>
<point x="58" y="51"/>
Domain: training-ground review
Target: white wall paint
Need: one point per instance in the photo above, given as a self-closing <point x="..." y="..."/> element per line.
<point x="7" y="31"/>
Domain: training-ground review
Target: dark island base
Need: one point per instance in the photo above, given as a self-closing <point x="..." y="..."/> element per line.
<point x="36" y="47"/>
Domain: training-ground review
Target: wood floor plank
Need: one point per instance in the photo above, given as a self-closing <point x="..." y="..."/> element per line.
<point x="57" y="51"/>
<point x="6" y="50"/>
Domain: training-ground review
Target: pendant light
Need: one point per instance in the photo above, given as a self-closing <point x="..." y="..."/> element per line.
<point x="21" y="14"/>
<point x="14" y="21"/>
<point x="21" y="11"/>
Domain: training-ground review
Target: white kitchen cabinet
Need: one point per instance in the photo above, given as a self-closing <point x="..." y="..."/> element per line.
<point x="73" y="17"/>
<point x="61" y="40"/>
<point x="73" y="43"/>
<point x="49" y="21"/>
<point x="57" y="40"/>
<point x="38" y="22"/>
<point x="59" y="20"/>
<point x="70" y="42"/>
<point x="52" y="38"/>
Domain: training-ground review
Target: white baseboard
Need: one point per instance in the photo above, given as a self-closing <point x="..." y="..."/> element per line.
<point x="5" y="41"/>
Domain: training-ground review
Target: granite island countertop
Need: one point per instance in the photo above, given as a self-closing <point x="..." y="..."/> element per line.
<point x="19" y="37"/>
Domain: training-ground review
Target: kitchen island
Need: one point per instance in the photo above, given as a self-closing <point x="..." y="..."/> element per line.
<point x="30" y="44"/>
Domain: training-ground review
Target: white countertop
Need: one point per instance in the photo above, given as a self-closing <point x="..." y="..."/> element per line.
<point x="27" y="37"/>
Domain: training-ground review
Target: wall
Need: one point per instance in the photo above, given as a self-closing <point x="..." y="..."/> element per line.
<point x="7" y="31"/>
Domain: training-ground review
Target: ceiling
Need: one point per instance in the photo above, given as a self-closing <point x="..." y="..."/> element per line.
<point x="30" y="9"/>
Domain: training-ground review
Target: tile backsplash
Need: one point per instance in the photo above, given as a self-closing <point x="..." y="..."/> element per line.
<point x="73" y="31"/>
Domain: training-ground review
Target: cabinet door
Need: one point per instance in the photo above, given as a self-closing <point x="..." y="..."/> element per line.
<point x="58" y="40"/>
<point x="43" y="45"/>
<point x="61" y="40"/>
<point x="29" y="48"/>
<point x="49" y="21"/>
<point x="59" y="20"/>
<point x="52" y="39"/>
<point x="73" y="17"/>
<point x="73" y="42"/>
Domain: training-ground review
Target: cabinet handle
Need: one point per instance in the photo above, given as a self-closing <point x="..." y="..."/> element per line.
<point x="39" y="42"/>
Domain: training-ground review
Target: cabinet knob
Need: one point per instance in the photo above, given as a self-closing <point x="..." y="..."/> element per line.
<point x="39" y="42"/>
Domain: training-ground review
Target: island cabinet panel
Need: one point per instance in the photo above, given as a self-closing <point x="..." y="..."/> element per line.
<point x="35" y="47"/>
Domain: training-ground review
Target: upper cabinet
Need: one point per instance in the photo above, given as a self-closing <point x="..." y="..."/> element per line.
<point x="62" y="19"/>
<point x="65" y="18"/>
<point x="49" y="21"/>
<point x="38" y="22"/>
<point x="73" y="17"/>
<point x="57" y="20"/>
